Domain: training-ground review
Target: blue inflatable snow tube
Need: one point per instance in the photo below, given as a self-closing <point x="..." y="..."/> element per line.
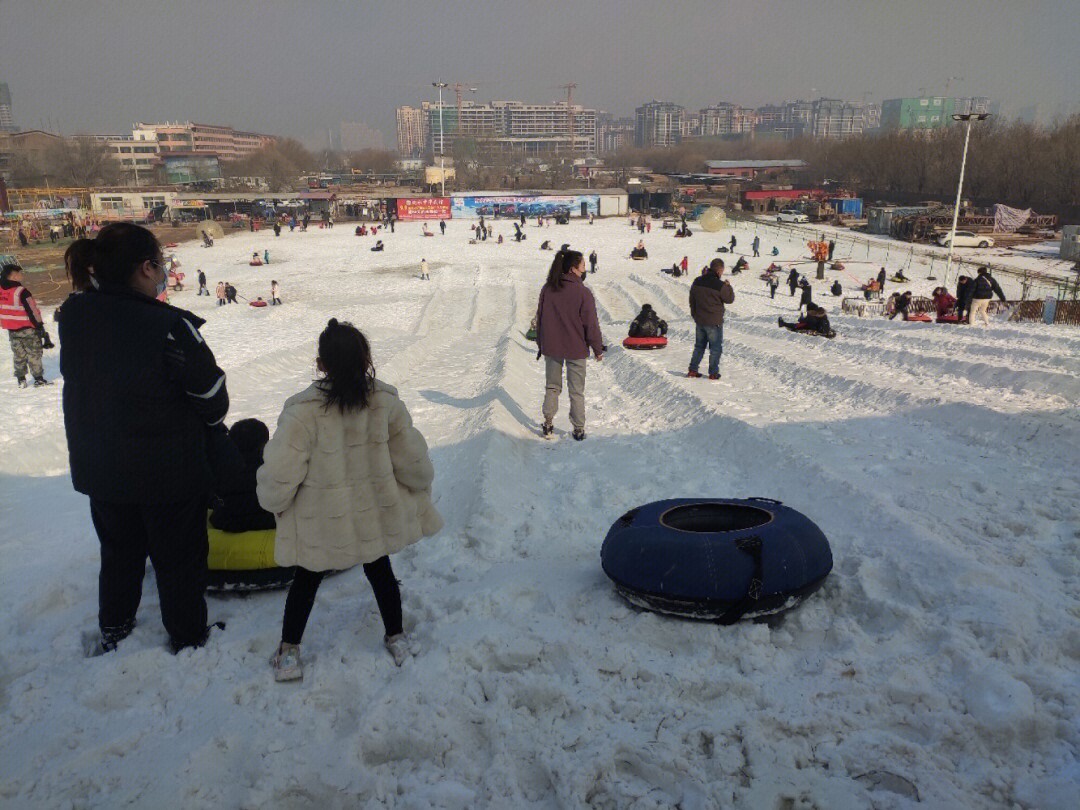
<point x="717" y="559"/>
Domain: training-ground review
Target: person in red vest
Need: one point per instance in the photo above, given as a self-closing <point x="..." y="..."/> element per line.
<point x="20" y="316"/>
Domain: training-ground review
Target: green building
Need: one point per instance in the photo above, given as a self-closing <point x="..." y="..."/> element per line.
<point x="934" y="112"/>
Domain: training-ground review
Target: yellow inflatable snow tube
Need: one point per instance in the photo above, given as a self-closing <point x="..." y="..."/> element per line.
<point x="244" y="561"/>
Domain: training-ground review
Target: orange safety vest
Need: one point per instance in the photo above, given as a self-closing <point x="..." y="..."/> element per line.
<point x="12" y="312"/>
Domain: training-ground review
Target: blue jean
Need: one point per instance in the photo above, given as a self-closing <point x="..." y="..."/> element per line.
<point x="713" y="337"/>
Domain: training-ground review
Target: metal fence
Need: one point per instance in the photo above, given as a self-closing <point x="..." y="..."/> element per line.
<point x="854" y="248"/>
<point x="1032" y="310"/>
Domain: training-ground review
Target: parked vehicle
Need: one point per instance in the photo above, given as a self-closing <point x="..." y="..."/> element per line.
<point x="792" y="215"/>
<point x="966" y="239"/>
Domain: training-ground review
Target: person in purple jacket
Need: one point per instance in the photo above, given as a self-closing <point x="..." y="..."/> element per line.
<point x="566" y="328"/>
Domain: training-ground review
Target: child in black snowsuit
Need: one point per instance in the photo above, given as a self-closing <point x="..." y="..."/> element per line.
<point x="805" y="300"/>
<point x="793" y="280"/>
<point x="902" y="303"/>
<point x="647" y="323"/>
<point x="237" y="456"/>
<point x="815" y="322"/>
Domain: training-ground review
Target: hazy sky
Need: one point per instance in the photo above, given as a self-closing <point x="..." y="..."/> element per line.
<point x="299" y="66"/>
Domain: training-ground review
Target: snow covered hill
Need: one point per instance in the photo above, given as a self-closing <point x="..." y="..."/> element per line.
<point x="938" y="661"/>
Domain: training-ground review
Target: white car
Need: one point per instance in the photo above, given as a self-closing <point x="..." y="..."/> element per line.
<point x="966" y="239"/>
<point x="792" y="215"/>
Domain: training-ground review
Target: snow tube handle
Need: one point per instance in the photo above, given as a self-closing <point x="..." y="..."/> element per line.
<point x="766" y="500"/>
<point x="748" y="545"/>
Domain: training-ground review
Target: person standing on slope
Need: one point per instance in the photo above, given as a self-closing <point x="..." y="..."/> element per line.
<point x="141" y="392"/>
<point x="985" y="287"/>
<point x="349" y="479"/>
<point x="21" y="318"/>
<point x="566" y="329"/>
<point x="708" y="296"/>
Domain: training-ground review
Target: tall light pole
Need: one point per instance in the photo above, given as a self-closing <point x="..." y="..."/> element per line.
<point x="442" y="137"/>
<point x="968" y="117"/>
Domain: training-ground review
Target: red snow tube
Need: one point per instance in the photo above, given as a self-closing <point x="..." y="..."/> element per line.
<point x="644" y="343"/>
<point x="921" y="317"/>
<point x="254" y="263"/>
<point x="948" y="319"/>
<point x="172" y="244"/>
<point x="257" y="303"/>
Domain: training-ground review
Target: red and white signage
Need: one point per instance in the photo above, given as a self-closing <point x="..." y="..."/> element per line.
<point x="431" y="208"/>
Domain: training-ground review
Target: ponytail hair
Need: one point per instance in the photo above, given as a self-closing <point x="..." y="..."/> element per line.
<point x="346" y="358"/>
<point x="119" y="249"/>
<point x="563" y="263"/>
<point x="78" y="261"/>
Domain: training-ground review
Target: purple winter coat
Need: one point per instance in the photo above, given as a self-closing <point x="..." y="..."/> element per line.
<point x="566" y="322"/>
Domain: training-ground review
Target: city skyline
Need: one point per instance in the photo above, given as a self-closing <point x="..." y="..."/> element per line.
<point x="331" y="64"/>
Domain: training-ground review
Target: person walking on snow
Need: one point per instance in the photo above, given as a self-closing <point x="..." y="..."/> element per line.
<point x="349" y="479"/>
<point x="202" y="283"/>
<point x="985" y="287"/>
<point x="442" y="226"/>
<point x="424" y="269"/>
<point x="566" y="329"/>
<point x="793" y="280"/>
<point x="881" y="281"/>
<point x="275" y="293"/>
<point x="731" y="244"/>
<point x="20" y="316"/>
<point x="592" y="262"/>
<point x="219" y="291"/>
<point x="756" y="245"/>
<point x="708" y="296"/>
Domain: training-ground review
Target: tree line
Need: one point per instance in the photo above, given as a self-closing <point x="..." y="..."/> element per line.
<point x="1018" y="164"/>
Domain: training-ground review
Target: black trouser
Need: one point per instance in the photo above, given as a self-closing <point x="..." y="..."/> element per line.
<point x="302" y="596"/>
<point x="174" y="536"/>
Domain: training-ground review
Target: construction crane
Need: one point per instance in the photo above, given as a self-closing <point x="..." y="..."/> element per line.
<point x="459" y="88"/>
<point x="569" y="88"/>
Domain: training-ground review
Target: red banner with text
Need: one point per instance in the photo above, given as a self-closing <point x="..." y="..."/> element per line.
<point x="413" y="208"/>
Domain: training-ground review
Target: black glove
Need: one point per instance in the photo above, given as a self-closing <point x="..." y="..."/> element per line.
<point x="46" y="341"/>
<point x="539" y="354"/>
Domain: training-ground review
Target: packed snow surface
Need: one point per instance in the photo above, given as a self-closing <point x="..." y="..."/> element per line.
<point x="938" y="664"/>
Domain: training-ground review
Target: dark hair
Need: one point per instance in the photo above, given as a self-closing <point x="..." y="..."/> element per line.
<point x="716" y="264"/>
<point x="119" y="249"/>
<point x="9" y="270"/>
<point x="250" y="437"/>
<point x="982" y="271"/>
<point x="346" y="358"/>
<point x="78" y="261"/>
<point x="563" y="262"/>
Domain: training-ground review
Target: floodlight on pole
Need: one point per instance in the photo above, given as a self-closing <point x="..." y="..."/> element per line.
<point x="968" y="117"/>
<point x="442" y="136"/>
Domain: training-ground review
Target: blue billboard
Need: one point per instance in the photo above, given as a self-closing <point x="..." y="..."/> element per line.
<point x="531" y="205"/>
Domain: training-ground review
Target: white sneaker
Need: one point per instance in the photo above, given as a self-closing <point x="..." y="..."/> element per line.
<point x="400" y="647"/>
<point x="287" y="664"/>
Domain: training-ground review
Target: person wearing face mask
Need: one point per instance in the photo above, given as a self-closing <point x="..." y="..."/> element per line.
<point x="142" y="395"/>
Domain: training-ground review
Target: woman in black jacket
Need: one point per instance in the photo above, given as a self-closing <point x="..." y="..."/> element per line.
<point x="141" y="388"/>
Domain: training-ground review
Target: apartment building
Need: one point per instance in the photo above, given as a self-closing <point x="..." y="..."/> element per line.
<point x="204" y="139"/>
<point x="726" y="119"/>
<point x="658" y="123"/>
<point x="512" y="126"/>
<point x="412" y="131"/>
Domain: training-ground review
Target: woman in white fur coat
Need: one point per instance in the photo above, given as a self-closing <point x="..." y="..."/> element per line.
<point x="349" y="479"/>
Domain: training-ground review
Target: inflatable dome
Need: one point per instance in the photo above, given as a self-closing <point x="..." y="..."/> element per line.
<point x="717" y="559"/>
<point x="713" y="219"/>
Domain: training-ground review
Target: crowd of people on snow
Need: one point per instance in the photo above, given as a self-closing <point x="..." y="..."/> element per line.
<point x="145" y="405"/>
